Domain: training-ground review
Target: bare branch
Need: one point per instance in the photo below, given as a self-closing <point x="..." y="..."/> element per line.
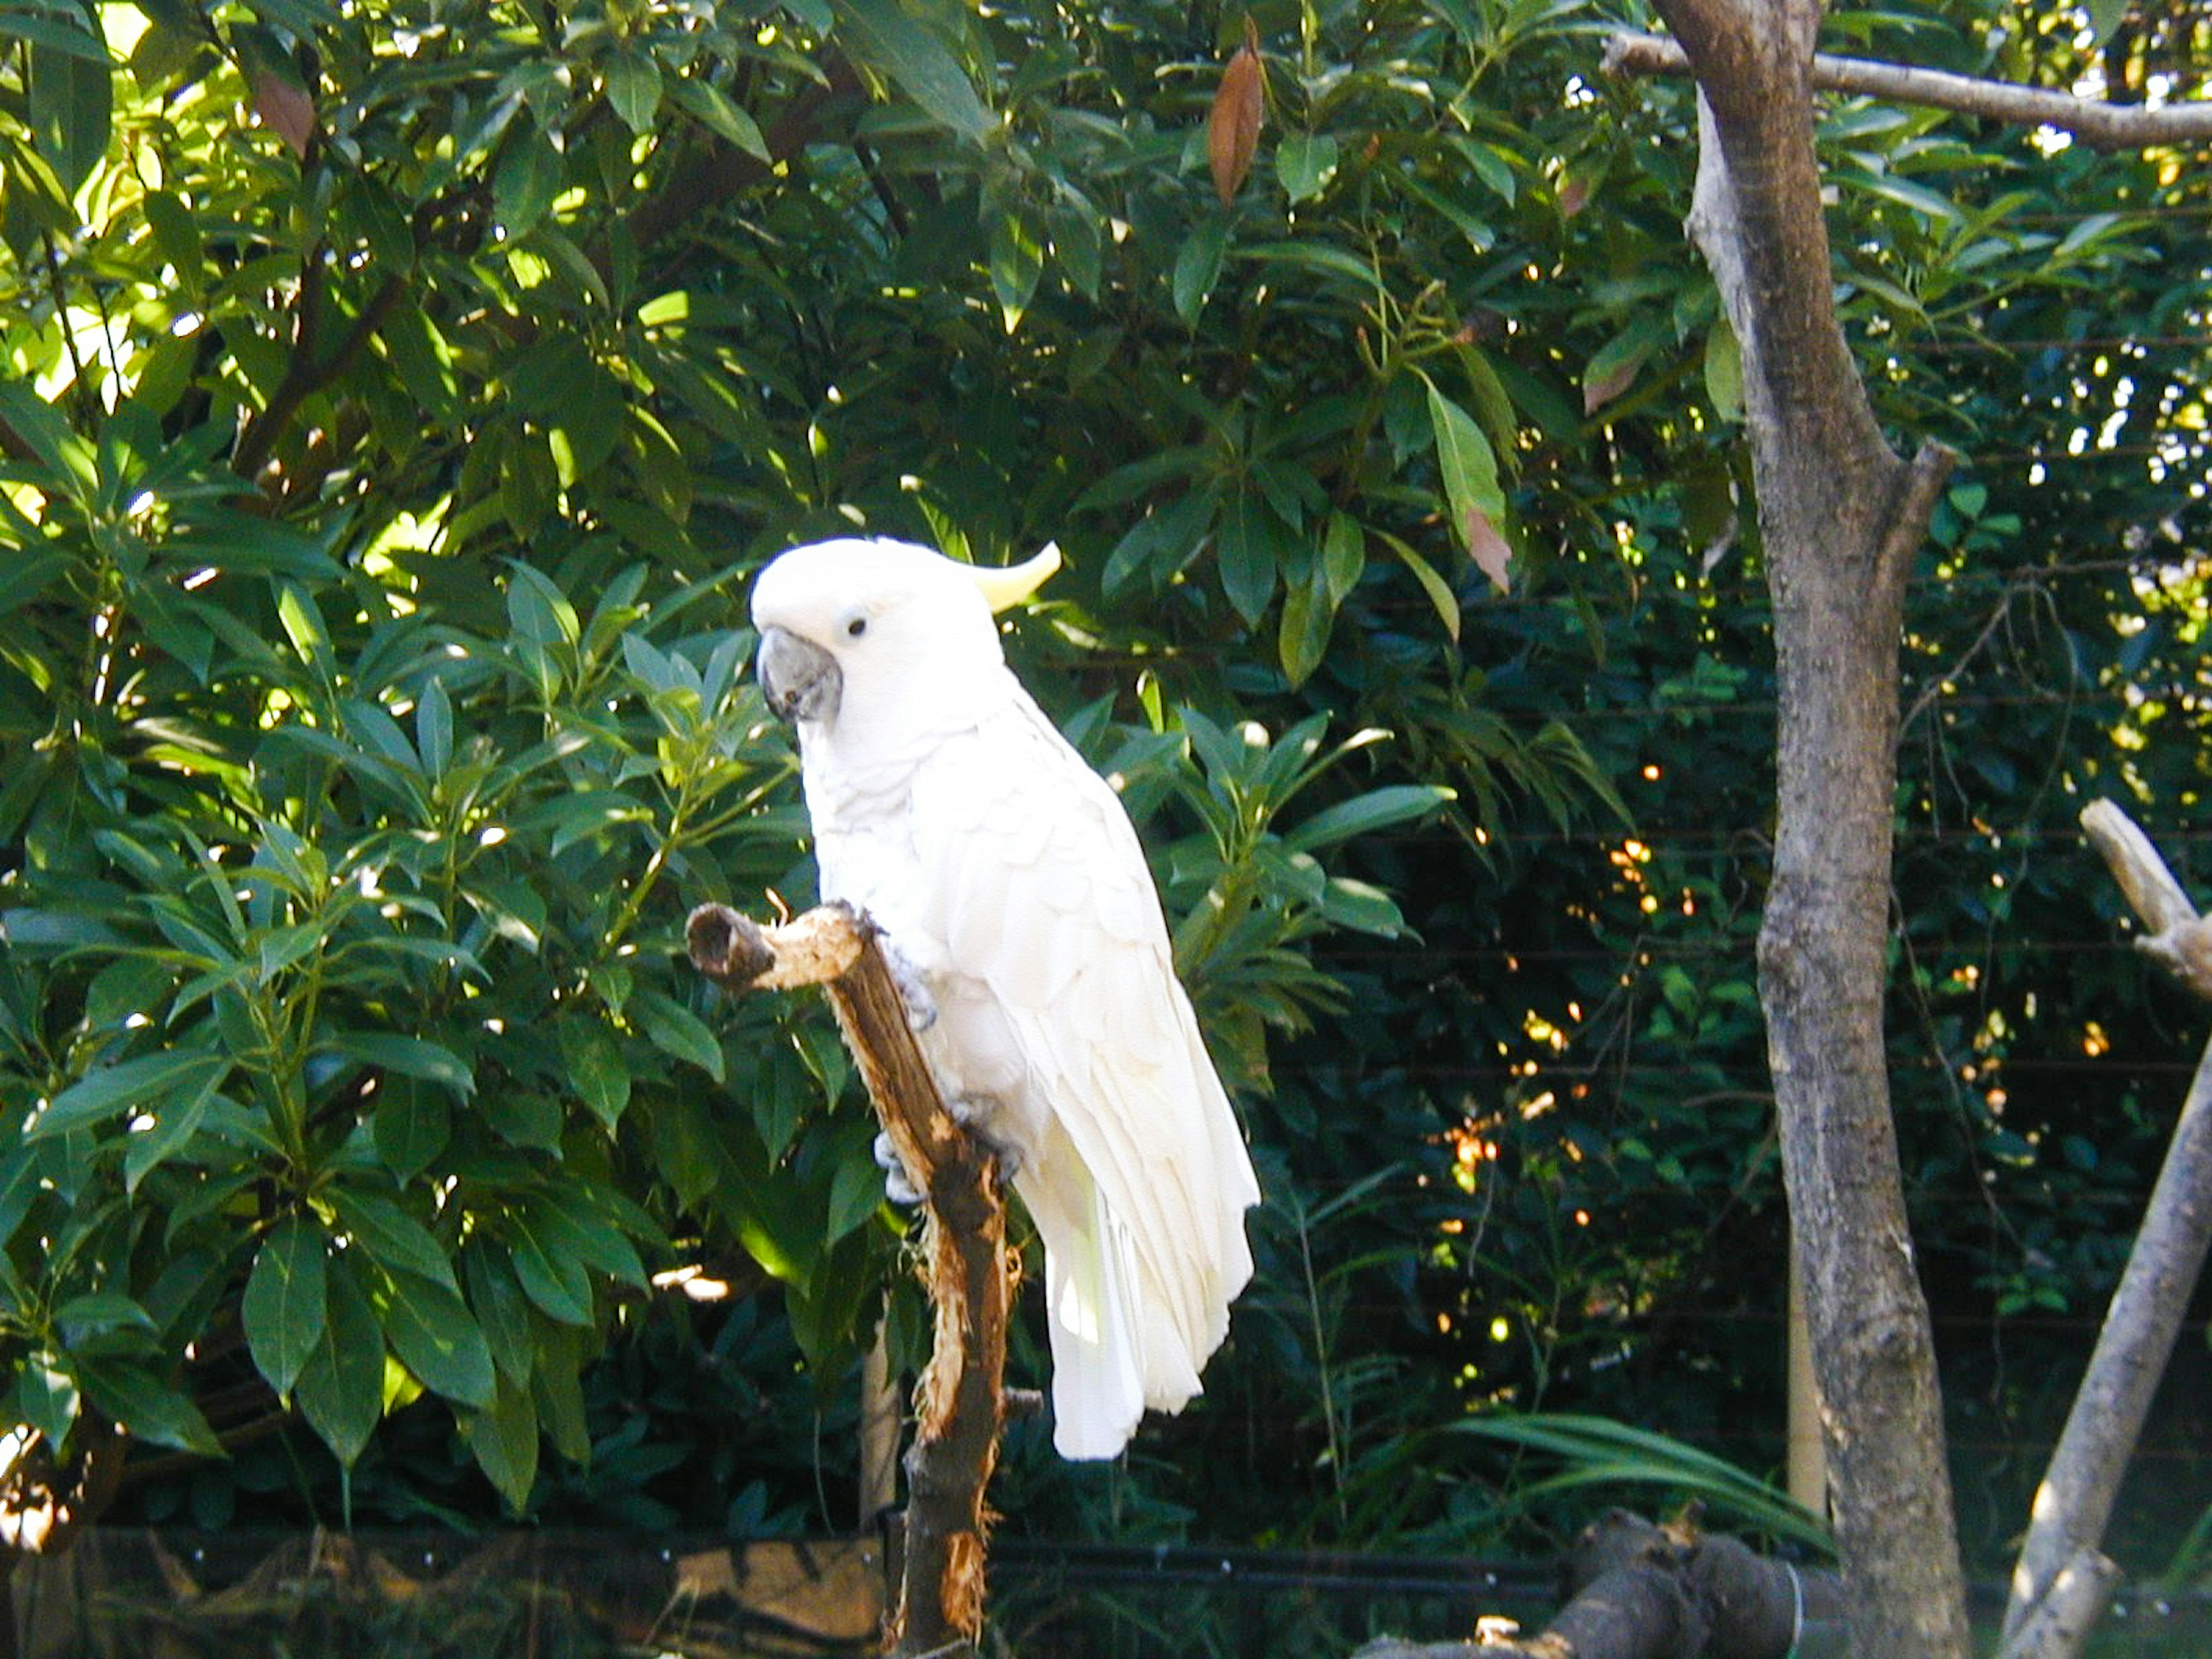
<point x="2076" y="1498"/>
<point x="971" y="1274"/>
<point x="2098" y="124"/>
<point x="306" y="371"/>
<point x="2059" y="1627"/>
<point x="722" y="170"/>
<point x="2179" y="939"/>
<point x="1642" y="1591"/>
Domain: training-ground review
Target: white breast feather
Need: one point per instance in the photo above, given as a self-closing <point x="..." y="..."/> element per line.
<point x="1015" y="881"/>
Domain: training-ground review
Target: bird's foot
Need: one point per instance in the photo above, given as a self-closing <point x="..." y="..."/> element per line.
<point x="979" y="1117"/>
<point x="913" y="989"/>
<point x="899" y="1184"/>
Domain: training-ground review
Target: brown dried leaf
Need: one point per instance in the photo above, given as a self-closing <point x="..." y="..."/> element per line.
<point x="1492" y="553"/>
<point x="1232" y="129"/>
<point x="285" y="109"/>
<point x="1596" y="394"/>
<point x="1574" y="197"/>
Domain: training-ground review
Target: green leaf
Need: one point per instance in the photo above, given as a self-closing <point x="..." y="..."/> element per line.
<point x="501" y="1308"/>
<point x="433" y="728"/>
<point x="393" y="1239"/>
<point x="284" y="1308"/>
<point x="566" y="1228"/>
<point x="1248" y="550"/>
<point x="504" y="1439"/>
<point x="35" y="420"/>
<point x="2103" y="17"/>
<point x="99" y="1313"/>
<point x="1724" y="370"/>
<point x="539" y="610"/>
<point x="423" y="358"/>
<point x="594" y="1066"/>
<point x="412" y="1126"/>
<point x="57" y="33"/>
<point x="559" y="1394"/>
<point x="303" y="626"/>
<point x="530" y="174"/>
<point x="1921" y="200"/>
<point x="46" y="1396"/>
<point x="1469" y="468"/>
<point x="555" y="1282"/>
<point x="675" y="1030"/>
<point x="340" y="1389"/>
<point x="1305" y="164"/>
<point x="881" y="35"/>
<point x="168" y="1081"/>
<point x="1438" y="589"/>
<point x="1309" y="616"/>
<point x="1343" y="557"/>
<point x="409" y="1056"/>
<point x="1363" y="815"/>
<point x="1488" y="164"/>
<point x="133" y="1397"/>
<point x="856" y="1192"/>
<point x="583" y="814"/>
<point x="712" y="107"/>
<point x="1362" y="908"/>
<point x="71" y="102"/>
<point x="1197" y="267"/>
<point x="438" y="1339"/>
<point x="1016" y="262"/>
<point x="633" y="83"/>
<point x="176" y="1122"/>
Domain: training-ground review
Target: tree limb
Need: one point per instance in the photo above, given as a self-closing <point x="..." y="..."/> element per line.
<point x="2076" y="1498"/>
<point x="2098" y="124"/>
<point x="1647" y="1592"/>
<point x="970" y="1275"/>
<point x="2176" y="937"/>
<point x="722" y="170"/>
<point x="307" y="371"/>
<point x="2059" y="1626"/>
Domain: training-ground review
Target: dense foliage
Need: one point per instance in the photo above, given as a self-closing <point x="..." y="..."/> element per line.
<point x="398" y="398"/>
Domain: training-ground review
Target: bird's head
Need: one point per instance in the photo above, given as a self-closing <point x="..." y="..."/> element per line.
<point x="886" y="623"/>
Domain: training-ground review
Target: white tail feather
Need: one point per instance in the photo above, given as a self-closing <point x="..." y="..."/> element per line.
<point x="1098" y="1365"/>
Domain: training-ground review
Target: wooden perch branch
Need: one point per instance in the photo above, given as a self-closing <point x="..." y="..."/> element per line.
<point x="2060" y="1587"/>
<point x="2098" y="125"/>
<point x="1647" y="1592"/>
<point x="940" y="1608"/>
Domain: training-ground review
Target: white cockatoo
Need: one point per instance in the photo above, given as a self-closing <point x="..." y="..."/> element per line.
<point x="1021" y="918"/>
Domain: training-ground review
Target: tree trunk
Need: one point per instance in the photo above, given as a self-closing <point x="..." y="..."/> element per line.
<point x="1841" y="515"/>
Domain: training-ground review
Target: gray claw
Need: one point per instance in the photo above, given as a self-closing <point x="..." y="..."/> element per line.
<point x="976" y="1116"/>
<point x="920" y="1005"/>
<point x="898" y="1183"/>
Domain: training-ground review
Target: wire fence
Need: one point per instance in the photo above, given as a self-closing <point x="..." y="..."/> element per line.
<point x="255" y="1595"/>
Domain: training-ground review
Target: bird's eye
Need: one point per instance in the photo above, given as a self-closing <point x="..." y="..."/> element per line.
<point x="855" y="627"/>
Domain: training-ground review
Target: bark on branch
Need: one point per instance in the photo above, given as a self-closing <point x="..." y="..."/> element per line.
<point x="2176" y="937"/>
<point x="2060" y="1587"/>
<point x="1642" y="1591"/>
<point x="970" y="1278"/>
<point x="2096" y="123"/>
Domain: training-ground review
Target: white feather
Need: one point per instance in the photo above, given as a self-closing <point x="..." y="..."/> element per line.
<point x="1002" y="867"/>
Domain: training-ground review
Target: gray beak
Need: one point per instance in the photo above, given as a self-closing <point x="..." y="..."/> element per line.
<point x="800" y="680"/>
